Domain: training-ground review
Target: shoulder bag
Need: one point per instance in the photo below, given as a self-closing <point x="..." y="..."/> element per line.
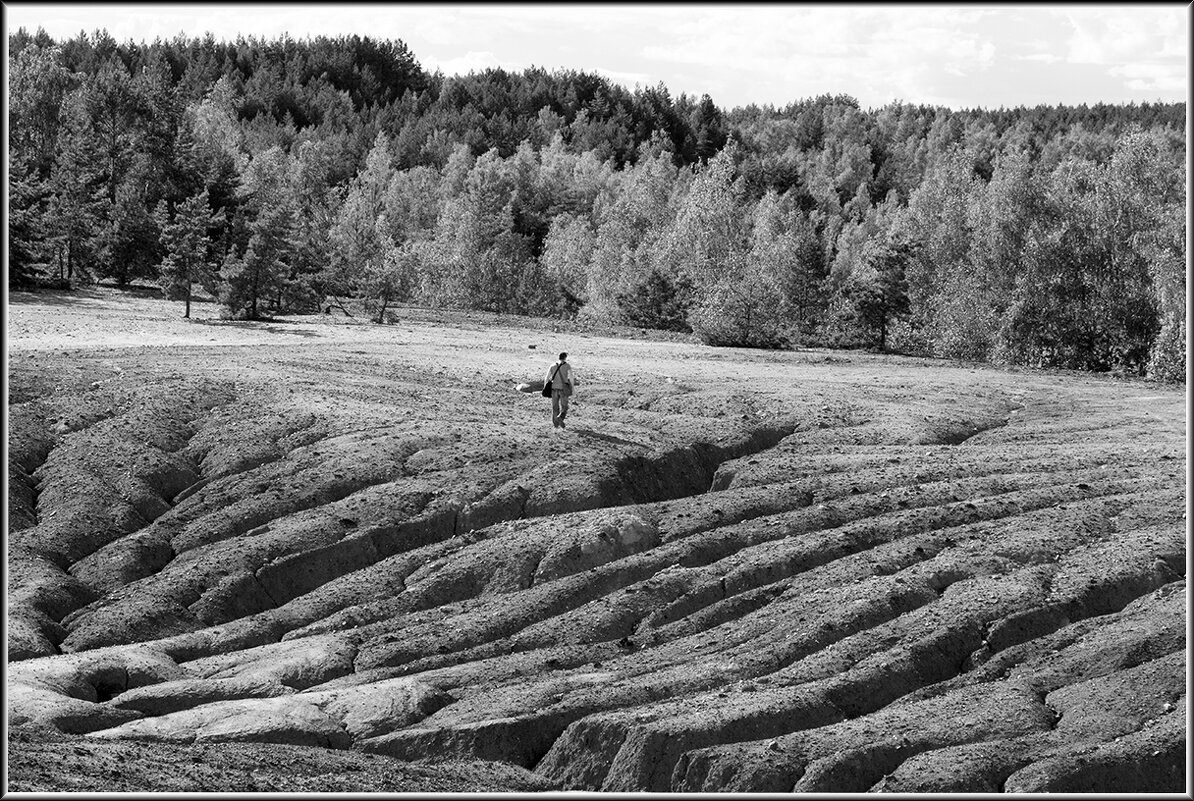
<point x="547" y="386"/>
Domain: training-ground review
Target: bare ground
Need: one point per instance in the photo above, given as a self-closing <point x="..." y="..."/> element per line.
<point x="360" y="550"/>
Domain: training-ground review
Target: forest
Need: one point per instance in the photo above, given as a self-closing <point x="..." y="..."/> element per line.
<point x="286" y="176"/>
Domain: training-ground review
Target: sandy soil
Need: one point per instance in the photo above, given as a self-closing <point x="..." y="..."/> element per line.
<point x="366" y="546"/>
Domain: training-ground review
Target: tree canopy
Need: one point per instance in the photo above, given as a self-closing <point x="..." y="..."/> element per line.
<point x="284" y="172"/>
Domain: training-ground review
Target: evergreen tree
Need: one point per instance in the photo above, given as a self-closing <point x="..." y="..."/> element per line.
<point x="658" y="302"/>
<point x="187" y="262"/>
<point x="111" y="105"/>
<point x="38" y="85"/>
<point x="253" y="279"/>
<point x="879" y="292"/>
<point x="316" y="204"/>
<point x="75" y="210"/>
<point x="26" y="232"/>
<point x="131" y="245"/>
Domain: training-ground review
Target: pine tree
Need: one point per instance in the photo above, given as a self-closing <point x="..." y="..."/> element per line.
<point x="316" y="205"/>
<point x="26" y="232"/>
<point x="131" y="241"/>
<point x="252" y="280"/>
<point x="185" y="241"/>
<point x="879" y="291"/>
<point x="75" y="214"/>
<point x="112" y="107"/>
<point x="658" y="302"/>
<point x="38" y="84"/>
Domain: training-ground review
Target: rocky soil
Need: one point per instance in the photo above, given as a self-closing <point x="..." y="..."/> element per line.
<point x="316" y="554"/>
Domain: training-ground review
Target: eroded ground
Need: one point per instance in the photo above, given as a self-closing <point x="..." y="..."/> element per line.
<point x="735" y="570"/>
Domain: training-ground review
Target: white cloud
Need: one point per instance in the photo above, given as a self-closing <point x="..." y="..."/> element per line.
<point x="627" y="79"/>
<point x="1102" y="36"/>
<point x="738" y="54"/>
<point x="1152" y="77"/>
<point x="1145" y="48"/>
<point x="434" y="30"/>
<point x="873" y="53"/>
<point x="472" y="61"/>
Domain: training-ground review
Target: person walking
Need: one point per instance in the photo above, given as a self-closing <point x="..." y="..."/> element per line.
<point x="560" y="379"/>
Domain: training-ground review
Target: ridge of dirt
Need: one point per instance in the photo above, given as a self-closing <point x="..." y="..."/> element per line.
<point x="734" y="570"/>
<point x="47" y="761"/>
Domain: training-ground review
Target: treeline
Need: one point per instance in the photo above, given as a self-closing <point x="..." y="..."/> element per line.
<point x="283" y="175"/>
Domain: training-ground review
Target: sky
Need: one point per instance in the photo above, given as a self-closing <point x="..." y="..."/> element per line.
<point x="958" y="56"/>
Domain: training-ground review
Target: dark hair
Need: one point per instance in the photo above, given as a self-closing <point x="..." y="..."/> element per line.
<point x="563" y="356"/>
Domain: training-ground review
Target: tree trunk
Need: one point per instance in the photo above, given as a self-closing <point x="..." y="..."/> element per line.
<point x="381" y="313"/>
<point x="253" y="304"/>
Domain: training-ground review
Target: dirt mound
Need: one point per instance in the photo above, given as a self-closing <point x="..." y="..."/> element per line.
<point x="733" y="571"/>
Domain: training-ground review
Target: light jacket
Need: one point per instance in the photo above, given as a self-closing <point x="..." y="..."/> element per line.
<point x="562" y="376"/>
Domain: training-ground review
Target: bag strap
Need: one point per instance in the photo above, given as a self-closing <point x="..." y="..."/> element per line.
<point x="553" y="374"/>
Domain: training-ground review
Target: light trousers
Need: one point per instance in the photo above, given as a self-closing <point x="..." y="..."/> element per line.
<point x="559" y="407"/>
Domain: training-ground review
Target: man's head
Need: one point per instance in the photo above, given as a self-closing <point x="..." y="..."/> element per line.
<point x="563" y="357"/>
